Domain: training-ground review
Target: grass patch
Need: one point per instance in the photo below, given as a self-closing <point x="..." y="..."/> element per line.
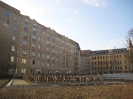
<point x="114" y="91"/>
<point x="3" y="82"/>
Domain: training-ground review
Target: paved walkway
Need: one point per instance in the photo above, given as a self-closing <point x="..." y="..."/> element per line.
<point x="19" y="82"/>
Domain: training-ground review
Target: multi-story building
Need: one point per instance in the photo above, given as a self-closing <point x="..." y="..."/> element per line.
<point x="27" y="47"/>
<point x="110" y="61"/>
<point x="84" y="62"/>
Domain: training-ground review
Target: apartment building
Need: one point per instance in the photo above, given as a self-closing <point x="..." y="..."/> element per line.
<point x="27" y="47"/>
<point x="110" y="61"/>
<point x="84" y="61"/>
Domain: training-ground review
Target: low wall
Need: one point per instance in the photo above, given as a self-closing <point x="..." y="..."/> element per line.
<point x="125" y="76"/>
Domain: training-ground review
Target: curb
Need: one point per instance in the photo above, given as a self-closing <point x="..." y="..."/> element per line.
<point x="8" y="84"/>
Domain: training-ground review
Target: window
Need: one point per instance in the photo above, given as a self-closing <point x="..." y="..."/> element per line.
<point x="43" y="48"/>
<point x="47" y="49"/>
<point x="40" y="31"/>
<point x="42" y="55"/>
<point x="124" y="56"/>
<point x="47" y="56"/>
<point x="38" y="54"/>
<point x="47" y="64"/>
<point x="13" y="38"/>
<point x="24" y="42"/>
<point x="33" y="45"/>
<point x="12" y="58"/>
<point x="125" y="67"/>
<point x="48" y="42"/>
<point x="53" y="58"/>
<point x="15" y="18"/>
<point x="33" y="53"/>
<point x="13" y="48"/>
<point x="42" y="64"/>
<point x="38" y="62"/>
<point x="52" y="64"/>
<point x="25" y="34"/>
<point x="53" y="51"/>
<point x="23" y="70"/>
<point x="34" y="28"/>
<point x="24" y="51"/>
<point x="24" y="61"/>
<point x="39" y="46"/>
<point x="44" y="33"/>
<point x="39" y="39"/>
<point x="18" y="40"/>
<point x="26" y="24"/>
<point x="33" y="37"/>
<point x="33" y="61"/>
<point x="43" y="40"/>
<point x="14" y="27"/>
<point x="48" y="35"/>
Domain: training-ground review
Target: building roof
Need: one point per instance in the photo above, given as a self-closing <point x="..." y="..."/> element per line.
<point x="85" y="52"/>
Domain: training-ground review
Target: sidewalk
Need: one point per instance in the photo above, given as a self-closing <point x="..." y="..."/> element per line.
<point x="19" y="82"/>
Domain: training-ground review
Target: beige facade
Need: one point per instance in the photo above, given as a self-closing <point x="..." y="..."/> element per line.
<point x="110" y="61"/>
<point x="84" y="61"/>
<point x="29" y="47"/>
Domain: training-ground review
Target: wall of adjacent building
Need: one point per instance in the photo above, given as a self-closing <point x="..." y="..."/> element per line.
<point x="28" y="47"/>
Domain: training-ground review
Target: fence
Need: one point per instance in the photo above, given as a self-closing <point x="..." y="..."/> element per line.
<point x="124" y="76"/>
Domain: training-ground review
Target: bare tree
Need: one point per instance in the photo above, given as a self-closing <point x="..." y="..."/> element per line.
<point x="129" y="40"/>
<point x="130" y="34"/>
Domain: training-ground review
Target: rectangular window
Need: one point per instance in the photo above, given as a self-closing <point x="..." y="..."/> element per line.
<point x="24" y="61"/>
<point x="125" y="67"/>
<point x="13" y="38"/>
<point x="33" y="61"/>
<point x="33" y="37"/>
<point x="48" y="35"/>
<point x="39" y="39"/>
<point x="34" y="28"/>
<point x="24" y="42"/>
<point x="18" y="40"/>
<point x="53" y="51"/>
<point x="33" y="53"/>
<point x="42" y="64"/>
<point x="53" y="58"/>
<point x="38" y="62"/>
<point x="47" y="49"/>
<point x="23" y="70"/>
<point x="43" y="40"/>
<point x="33" y="45"/>
<point x="44" y="33"/>
<point x="26" y="24"/>
<point x="43" y="48"/>
<point x="25" y="34"/>
<point x="12" y="58"/>
<point x="39" y="46"/>
<point x="47" y="64"/>
<point x="15" y="18"/>
<point x="42" y="55"/>
<point x="14" y="27"/>
<point x="48" y="42"/>
<point x="47" y="56"/>
<point x="24" y="51"/>
<point x="38" y="54"/>
<point x="17" y="60"/>
<point x="19" y="31"/>
<point x="13" y="48"/>
<point x="40" y="31"/>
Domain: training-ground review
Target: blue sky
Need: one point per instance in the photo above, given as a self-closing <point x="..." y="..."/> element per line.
<point x="94" y="24"/>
